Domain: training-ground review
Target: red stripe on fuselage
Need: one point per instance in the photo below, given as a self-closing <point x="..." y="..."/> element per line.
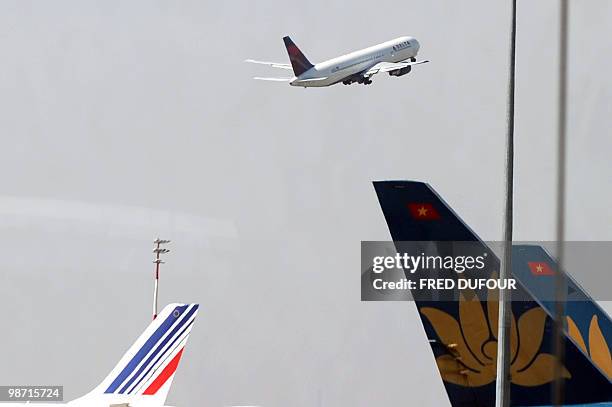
<point x="164" y="375"/>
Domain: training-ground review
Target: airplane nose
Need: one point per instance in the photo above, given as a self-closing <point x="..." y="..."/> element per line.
<point x="416" y="44"/>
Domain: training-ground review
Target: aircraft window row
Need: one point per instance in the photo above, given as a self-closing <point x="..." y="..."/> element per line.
<point x="370" y="58"/>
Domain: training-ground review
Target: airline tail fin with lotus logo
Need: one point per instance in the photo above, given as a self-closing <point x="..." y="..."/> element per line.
<point x="463" y="332"/>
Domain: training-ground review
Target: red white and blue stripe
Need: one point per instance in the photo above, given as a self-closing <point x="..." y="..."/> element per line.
<point x="157" y="358"/>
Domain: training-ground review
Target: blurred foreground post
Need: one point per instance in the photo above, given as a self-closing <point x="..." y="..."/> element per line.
<point x="502" y="384"/>
<point x="560" y="281"/>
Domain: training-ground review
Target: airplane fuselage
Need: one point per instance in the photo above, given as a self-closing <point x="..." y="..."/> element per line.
<point x="346" y="66"/>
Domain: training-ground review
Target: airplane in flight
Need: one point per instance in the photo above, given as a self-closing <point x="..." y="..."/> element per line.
<point x="395" y="57"/>
<point x="463" y="333"/>
<point x="144" y="375"/>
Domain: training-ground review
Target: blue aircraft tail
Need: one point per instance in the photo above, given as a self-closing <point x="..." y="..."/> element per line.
<point x="463" y="333"/>
<point x="299" y="62"/>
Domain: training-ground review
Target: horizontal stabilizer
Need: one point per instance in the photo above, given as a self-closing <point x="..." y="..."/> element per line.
<point x="273" y="79"/>
<point x="272" y="64"/>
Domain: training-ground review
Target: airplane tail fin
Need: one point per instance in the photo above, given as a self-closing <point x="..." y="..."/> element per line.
<point x="299" y="62"/>
<point x="144" y="374"/>
<point x="463" y="334"/>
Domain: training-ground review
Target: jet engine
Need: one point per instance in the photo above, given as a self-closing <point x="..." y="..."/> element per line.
<point x="400" y="72"/>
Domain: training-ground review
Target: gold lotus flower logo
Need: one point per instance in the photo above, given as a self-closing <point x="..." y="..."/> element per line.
<point x="472" y="344"/>
<point x="598" y="349"/>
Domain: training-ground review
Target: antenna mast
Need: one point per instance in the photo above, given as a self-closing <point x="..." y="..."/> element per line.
<point x="158" y="250"/>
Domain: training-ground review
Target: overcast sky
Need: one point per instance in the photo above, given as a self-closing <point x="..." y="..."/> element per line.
<point x="122" y="121"/>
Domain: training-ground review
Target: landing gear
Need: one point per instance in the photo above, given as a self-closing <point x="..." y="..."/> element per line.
<point x="361" y="79"/>
<point x="413" y="59"/>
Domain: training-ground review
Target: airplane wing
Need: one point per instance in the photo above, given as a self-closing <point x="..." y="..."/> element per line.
<point x="272" y="64"/>
<point x="390" y="66"/>
<point x="273" y="79"/>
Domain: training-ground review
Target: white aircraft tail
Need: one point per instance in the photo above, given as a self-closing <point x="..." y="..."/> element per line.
<point x="144" y="374"/>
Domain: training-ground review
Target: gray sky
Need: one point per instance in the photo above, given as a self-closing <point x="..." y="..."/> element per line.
<point x="123" y="121"/>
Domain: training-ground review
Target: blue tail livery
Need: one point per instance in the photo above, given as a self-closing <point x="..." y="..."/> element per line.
<point x="144" y="375"/>
<point x="463" y="333"/>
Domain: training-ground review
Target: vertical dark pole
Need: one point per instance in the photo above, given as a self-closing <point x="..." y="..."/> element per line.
<point x="505" y="301"/>
<point x="560" y="281"/>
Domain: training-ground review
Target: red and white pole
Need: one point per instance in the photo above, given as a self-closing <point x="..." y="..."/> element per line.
<point x="158" y="250"/>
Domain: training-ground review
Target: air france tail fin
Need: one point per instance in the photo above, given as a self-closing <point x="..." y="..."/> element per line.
<point x="463" y="334"/>
<point x="144" y="374"/>
<point x="299" y="62"/>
